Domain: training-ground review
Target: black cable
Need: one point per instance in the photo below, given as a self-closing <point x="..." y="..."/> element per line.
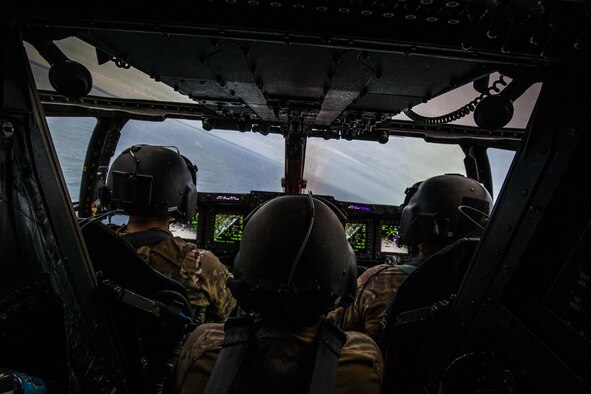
<point x="466" y="110"/>
<point x="297" y="260"/>
<point x="85" y="222"/>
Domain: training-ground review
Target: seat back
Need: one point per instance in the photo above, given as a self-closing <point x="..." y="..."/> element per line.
<point x="148" y="341"/>
<point x="409" y="338"/>
<point x="121" y="263"/>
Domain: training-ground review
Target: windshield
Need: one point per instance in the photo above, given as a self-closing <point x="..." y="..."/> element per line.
<point x="228" y="161"/>
<point x="232" y="162"/>
<point x="500" y="162"/>
<point x="366" y="171"/>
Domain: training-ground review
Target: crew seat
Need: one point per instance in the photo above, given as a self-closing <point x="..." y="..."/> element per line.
<point x="417" y="314"/>
<point x="150" y="312"/>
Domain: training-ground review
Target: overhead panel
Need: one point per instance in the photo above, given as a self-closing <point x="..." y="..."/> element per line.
<point x="271" y="82"/>
<point x="332" y="65"/>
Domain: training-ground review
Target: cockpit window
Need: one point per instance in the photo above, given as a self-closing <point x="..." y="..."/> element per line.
<point x="240" y="162"/>
<point x="109" y="80"/>
<point x="228" y="161"/>
<point x="459" y="97"/>
<point x="366" y="171"/>
<point x="70" y="137"/>
<point x="500" y="162"/>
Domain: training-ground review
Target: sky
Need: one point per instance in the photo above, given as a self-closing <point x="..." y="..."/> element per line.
<point x="361" y="171"/>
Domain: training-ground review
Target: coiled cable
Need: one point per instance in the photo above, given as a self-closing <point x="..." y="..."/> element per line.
<point x="466" y="110"/>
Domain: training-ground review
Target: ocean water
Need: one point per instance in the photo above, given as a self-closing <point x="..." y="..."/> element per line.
<point x="70" y="137"/>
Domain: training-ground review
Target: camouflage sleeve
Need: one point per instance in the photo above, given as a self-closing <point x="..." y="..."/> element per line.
<point x="336" y="317"/>
<point x="360" y="367"/>
<point x="349" y="319"/>
<point x="375" y="289"/>
<point x="198" y="357"/>
<point x="205" y="278"/>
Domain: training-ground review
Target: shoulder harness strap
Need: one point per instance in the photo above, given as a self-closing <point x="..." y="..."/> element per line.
<point x="238" y="334"/>
<point x="330" y="342"/>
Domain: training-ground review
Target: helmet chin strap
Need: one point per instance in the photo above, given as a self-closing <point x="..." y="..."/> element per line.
<point x="297" y="260"/>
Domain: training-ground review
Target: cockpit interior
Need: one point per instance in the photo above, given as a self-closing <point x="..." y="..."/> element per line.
<point x="352" y="100"/>
<point x="371" y="229"/>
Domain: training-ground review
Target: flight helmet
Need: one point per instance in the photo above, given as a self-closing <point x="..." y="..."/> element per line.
<point x="444" y="208"/>
<point x="294" y="263"/>
<point x="156" y="181"/>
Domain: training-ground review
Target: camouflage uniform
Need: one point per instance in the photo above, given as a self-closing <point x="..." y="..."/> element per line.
<point x="284" y="358"/>
<point x="375" y="289"/>
<point x="200" y="271"/>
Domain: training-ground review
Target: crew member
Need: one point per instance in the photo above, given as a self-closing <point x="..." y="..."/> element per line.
<point x="153" y="184"/>
<point x="294" y="265"/>
<point x="435" y="213"/>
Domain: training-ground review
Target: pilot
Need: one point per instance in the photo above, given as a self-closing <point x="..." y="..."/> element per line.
<point x="153" y="184"/>
<point x="294" y="265"/>
<point x="435" y="213"/>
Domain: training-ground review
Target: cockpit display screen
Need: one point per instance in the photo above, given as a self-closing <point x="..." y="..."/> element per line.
<point x="389" y="237"/>
<point x="227" y="228"/>
<point x="357" y="236"/>
<point x="186" y="231"/>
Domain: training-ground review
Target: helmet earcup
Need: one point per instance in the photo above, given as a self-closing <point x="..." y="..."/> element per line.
<point x="188" y="207"/>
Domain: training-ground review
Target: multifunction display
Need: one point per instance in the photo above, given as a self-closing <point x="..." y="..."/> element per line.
<point x="390" y="239"/>
<point x="357" y="236"/>
<point x="186" y="231"/>
<point x="227" y="228"/>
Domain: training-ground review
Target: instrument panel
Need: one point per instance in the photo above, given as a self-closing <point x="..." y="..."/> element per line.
<point x="372" y="230"/>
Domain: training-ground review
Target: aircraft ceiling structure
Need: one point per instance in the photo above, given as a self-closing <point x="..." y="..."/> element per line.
<point x="337" y="69"/>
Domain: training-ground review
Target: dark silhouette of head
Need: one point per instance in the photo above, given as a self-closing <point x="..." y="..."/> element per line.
<point x="294" y="263"/>
<point x="443" y="209"/>
<point x="153" y="181"/>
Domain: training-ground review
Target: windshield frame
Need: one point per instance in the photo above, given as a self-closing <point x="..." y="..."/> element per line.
<point x="107" y="132"/>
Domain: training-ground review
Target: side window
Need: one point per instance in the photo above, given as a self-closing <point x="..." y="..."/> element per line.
<point x="500" y="162"/>
<point x="71" y="136"/>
